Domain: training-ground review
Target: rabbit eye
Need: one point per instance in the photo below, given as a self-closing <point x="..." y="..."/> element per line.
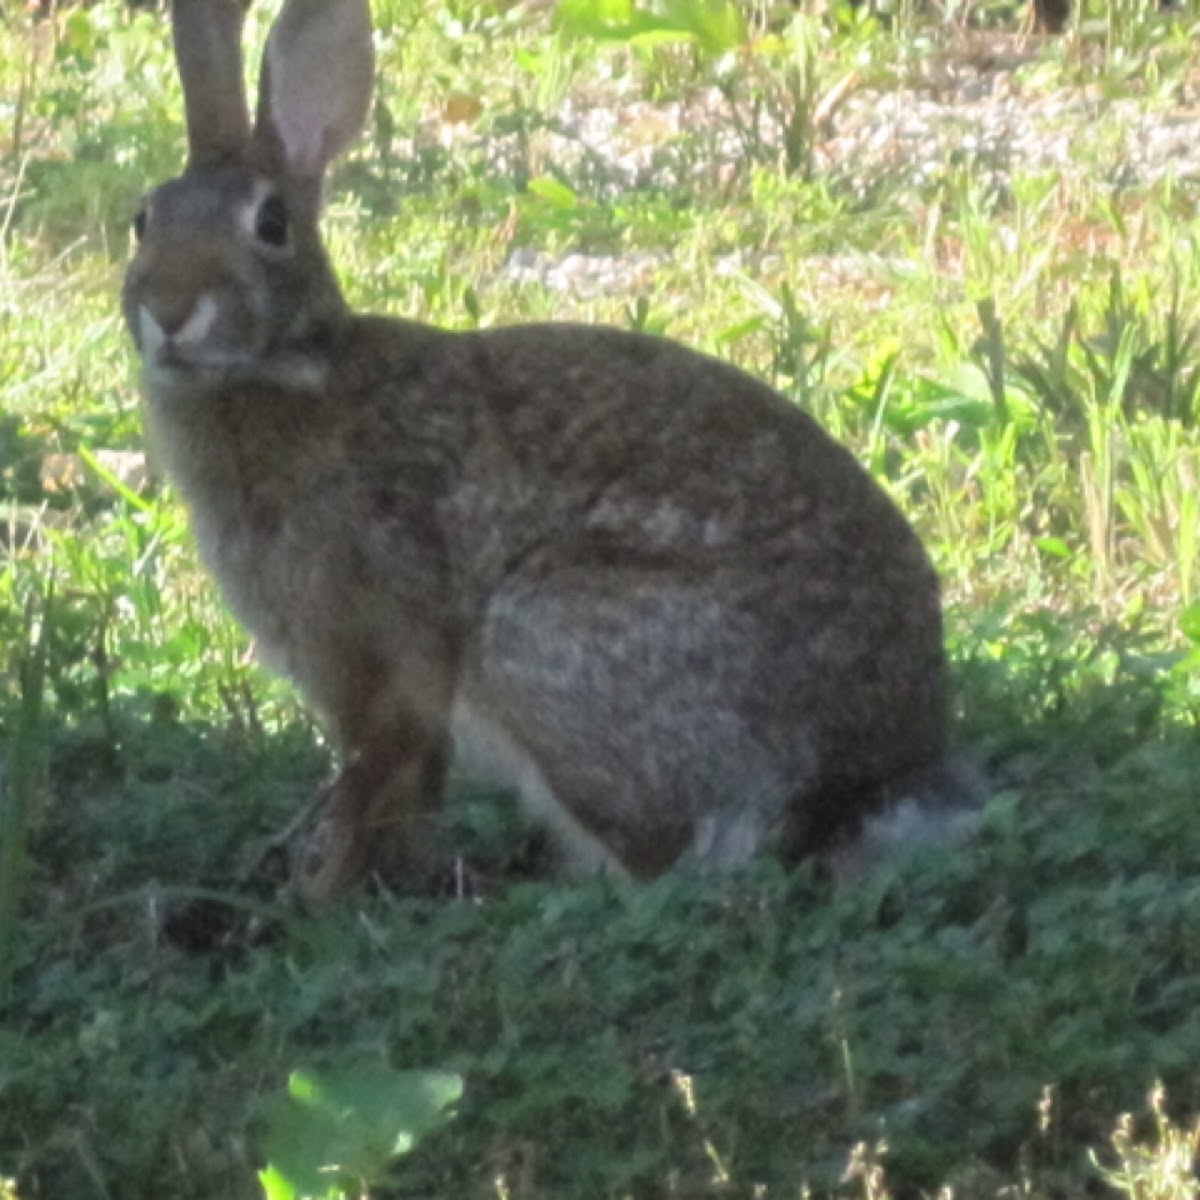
<point x="271" y="221"/>
<point x="139" y="224"/>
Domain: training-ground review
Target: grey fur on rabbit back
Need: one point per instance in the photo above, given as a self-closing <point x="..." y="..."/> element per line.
<point x="618" y="575"/>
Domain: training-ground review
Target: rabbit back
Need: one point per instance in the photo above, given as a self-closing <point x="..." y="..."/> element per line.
<point x="695" y="615"/>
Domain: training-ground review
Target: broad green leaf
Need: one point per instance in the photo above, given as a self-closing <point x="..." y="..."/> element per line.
<point x="716" y="26"/>
<point x="340" y="1128"/>
<point x="596" y="18"/>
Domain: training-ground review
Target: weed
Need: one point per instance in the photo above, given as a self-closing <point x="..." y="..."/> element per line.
<point x="26" y="758"/>
<point x="1162" y="1167"/>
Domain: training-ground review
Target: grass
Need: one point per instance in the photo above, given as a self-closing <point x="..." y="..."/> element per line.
<point x="1013" y="352"/>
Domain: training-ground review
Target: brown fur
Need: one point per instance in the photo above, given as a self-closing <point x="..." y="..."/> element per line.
<point x="657" y="595"/>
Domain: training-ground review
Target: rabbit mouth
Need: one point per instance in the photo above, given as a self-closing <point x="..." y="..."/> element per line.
<point x="201" y="353"/>
<point x="204" y="367"/>
<point x="197" y="361"/>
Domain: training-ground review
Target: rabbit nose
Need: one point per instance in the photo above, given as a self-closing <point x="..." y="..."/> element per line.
<point x="177" y="323"/>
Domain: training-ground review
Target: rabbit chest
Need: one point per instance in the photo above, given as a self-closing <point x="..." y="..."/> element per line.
<point x="320" y="543"/>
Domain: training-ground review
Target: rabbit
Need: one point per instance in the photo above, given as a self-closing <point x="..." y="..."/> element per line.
<point x="629" y="581"/>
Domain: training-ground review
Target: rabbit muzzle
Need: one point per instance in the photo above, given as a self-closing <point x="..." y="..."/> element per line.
<point x="178" y="344"/>
<point x="212" y="325"/>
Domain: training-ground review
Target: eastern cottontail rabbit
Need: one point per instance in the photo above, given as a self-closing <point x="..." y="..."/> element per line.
<point x="625" y="578"/>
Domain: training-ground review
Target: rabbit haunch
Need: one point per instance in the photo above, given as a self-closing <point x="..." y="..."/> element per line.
<point x="619" y="575"/>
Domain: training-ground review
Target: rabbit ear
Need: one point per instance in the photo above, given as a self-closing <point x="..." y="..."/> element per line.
<point x="208" y="49"/>
<point x="315" y="87"/>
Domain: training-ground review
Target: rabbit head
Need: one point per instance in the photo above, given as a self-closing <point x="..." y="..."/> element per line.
<point x="230" y="277"/>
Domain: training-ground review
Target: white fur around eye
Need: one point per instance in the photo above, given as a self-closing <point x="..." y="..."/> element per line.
<point x="249" y="211"/>
<point x="248" y="221"/>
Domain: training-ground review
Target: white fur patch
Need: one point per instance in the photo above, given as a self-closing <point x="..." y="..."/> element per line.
<point x="484" y="751"/>
<point x="199" y="323"/>
<point x="727" y="840"/>
<point x="150" y="334"/>
<point x="908" y="825"/>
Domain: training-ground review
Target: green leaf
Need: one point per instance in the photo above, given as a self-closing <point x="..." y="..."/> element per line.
<point x="732" y="334"/>
<point x="1054" y="546"/>
<point x="121" y="488"/>
<point x="553" y="192"/>
<point x="1189" y="623"/>
<point x="338" y="1129"/>
<point x="716" y="26"/>
<point x="275" y="1186"/>
<point x="611" y="19"/>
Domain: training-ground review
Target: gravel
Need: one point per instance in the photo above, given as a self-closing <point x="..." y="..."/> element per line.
<point x="985" y="108"/>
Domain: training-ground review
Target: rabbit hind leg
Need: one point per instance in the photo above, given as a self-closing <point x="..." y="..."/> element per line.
<point x="486" y="750"/>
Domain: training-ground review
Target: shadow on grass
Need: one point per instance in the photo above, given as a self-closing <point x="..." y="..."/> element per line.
<point x="986" y="1012"/>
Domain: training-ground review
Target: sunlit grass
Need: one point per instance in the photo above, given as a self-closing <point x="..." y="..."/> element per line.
<point x="1018" y="362"/>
